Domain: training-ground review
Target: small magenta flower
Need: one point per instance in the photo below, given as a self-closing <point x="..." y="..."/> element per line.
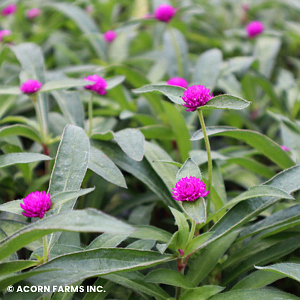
<point x="245" y="7"/>
<point x="33" y="13"/>
<point x="165" y="13"/>
<point x="109" y="36"/>
<point x="9" y="10"/>
<point x="30" y="86"/>
<point x="189" y="189"/>
<point x="3" y="33"/>
<point x="181" y="252"/>
<point x="196" y="96"/>
<point x="254" y="28"/>
<point x="99" y="86"/>
<point x="89" y="9"/>
<point x="178" y="81"/>
<point x="285" y="148"/>
<point x="36" y="204"/>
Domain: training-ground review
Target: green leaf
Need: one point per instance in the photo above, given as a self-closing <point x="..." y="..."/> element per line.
<point x="169" y="277"/>
<point x="10" y="90"/>
<point x="103" y="166"/>
<point x="183" y="228"/>
<point x="167" y="172"/>
<point x="254" y="294"/>
<point x="174" y="93"/>
<point x="151" y="232"/>
<point x="20" y="130"/>
<point x="64" y="83"/>
<point x="135" y="281"/>
<point x="196" y="209"/>
<point x="189" y="169"/>
<point x="201" y="293"/>
<point x="197" y="242"/>
<point x="15" y="266"/>
<point x="21" y="158"/>
<point x="98" y="262"/>
<point x="85" y="23"/>
<point x="89" y="220"/>
<point x="207" y="68"/>
<point x="132" y="142"/>
<point x="145" y="244"/>
<point x="71" y="106"/>
<point x="114" y="81"/>
<point x="261" y="142"/>
<point x="107" y="240"/>
<point x="208" y="258"/>
<point x="257" y="280"/>
<point x="157" y="132"/>
<point x="291" y="270"/>
<point x="226" y="102"/>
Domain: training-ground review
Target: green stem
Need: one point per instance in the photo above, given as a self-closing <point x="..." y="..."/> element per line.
<point x="192" y="232"/>
<point x="178" y="291"/>
<point x="45" y="255"/>
<point x="177" y="52"/>
<point x="39" y="118"/>
<point x="90" y="113"/>
<point x="209" y="161"/>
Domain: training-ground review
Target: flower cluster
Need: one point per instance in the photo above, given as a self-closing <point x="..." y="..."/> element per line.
<point x="189" y="189"/>
<point x="165" y="13"/>
<point x="9" y="10"/>
<point x="178" y="81"/>
<point x="196" y="96"/>
<point x="99" y="86"/>
<point x="36" y="204"/>
<point x="33" y="13"/>
<point x="109" y="36"/>
<point x="3" y="33"/>
<point x="254" y="28"/>
<point x="30" y="86"/>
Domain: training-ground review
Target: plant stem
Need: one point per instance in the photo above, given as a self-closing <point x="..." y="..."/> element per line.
<point x="90" y="113"/>
<point x="192" y="232"/>
<point x="45" y="255"/>
<point x="209" y="161"/>
<point x="39" y="118"/>
<point x="177" y="52"/>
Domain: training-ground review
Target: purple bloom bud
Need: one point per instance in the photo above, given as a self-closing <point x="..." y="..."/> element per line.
<point x="99" y="85"/>
<point x="4" y="33"/>
<point x="285" y="148"/>
<point x="9" y="10"/>
<point x="147" y="16"/>
<point x="181" y="252"/>
<point x="196" y="96"/>
<point x="109" y="36"/>
<point x="178" y="81"/>
<point x="30" y="86"/>
<point x="33" y="13"/>
<point x="189" y="189"/>
<point x="89" y="9"/>
<point x="245" y="7"/>
<point x="36" y="204"/>
<point x="165" y="13"/>
<point x="254" y="28"/>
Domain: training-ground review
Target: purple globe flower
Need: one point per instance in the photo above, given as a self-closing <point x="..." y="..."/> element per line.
<point x="196" y="96"/>
<point x="9" y="10"/>
<point x="4" y="33"/>
<point x="109" y="36"/>
<point x="178" y="81"/>
<point x="189" y="189"/>
<point x="33" y="13"/>
<point x="165" y="13"/>
<point x="254" y="28"/>
<point x="30" y="86"/>
<point x="285" y="148"/>
<point x="99" y="86"/>
<point x="36" y="204"/>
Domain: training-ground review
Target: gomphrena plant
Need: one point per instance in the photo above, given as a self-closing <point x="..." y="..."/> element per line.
<point x="149" y="150"/>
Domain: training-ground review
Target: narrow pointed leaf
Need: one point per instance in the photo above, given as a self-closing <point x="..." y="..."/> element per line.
<point x="64" y="83"/>
<point x="114" y="81"/>
<point x="226" y="102"/>
<point x="10" y="90"/>
<point x="189" y="169"/>
<point x="202" y="292"/>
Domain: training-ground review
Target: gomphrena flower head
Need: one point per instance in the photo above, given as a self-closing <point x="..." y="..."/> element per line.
<point x="30" y="86"/>
<point x="99" y="86"/>
<point x="9" y="10"/>
<point x="109" y="36"/>
<point x="189" y="189"/>
<point x="3" y="33"/>
<point x="36" y="204"/>
<point x="254" y="28"/>
<point x="165" y="13"/>
<point x="178" y="81"/>
<point x="285" y="148"/>
<point x="196" y="96"/>
<point x="33" y="13"/>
